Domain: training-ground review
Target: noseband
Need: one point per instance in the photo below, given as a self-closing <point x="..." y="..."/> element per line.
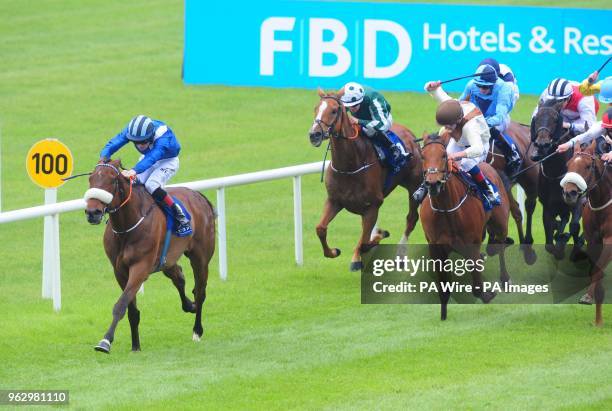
<point x="117" y="188"/>
<point x="434" y="170"/>
<point x="554" y="134"/>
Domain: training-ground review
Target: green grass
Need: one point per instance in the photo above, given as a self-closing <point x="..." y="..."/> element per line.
<point x="276" y="335"/>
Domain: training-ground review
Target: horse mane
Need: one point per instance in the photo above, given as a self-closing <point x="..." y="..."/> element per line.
<point x="555" y="104"/>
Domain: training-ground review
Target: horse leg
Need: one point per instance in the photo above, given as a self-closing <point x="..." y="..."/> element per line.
<point x="368" y="220"/>
<point x="549" y="227"/>
<point x="441" y="252"/>
<point x="199" y="264"/>
<point x="574" y="227"/>
<point x="137" y="276"/>
<point x="516" y="216"/>
<point x="175" y="273"/>
<point x="330" y="210"/>
<point x="411" y="219"/>
<point x="528" y="253"/>
<point x="134" y="318"/>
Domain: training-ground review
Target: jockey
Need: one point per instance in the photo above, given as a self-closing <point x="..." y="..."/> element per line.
<point x="579" y="112"/>
<point x="372" y="112"/>
<point x="469" y="142"/>
<point x="495" y="99"/>
<point x="505" y="73"/>
<point x="158" y="162"/>
<point x="602" y="128"/>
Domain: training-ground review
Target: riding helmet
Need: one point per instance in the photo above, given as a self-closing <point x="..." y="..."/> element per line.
<point x="449" y="112"/>
<point x="559" y="89"/>
<point x="605" y="95"/>
<point x="487" y="75"/>
<point x="353" y="94"/>
<point x="140" y="128"/>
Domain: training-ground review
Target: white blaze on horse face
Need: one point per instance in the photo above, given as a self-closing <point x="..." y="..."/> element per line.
<point x="322" y="108"/>
<point x="98" y="194"/>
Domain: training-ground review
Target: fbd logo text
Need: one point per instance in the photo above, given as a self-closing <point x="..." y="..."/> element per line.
<point x="323" y="48"/>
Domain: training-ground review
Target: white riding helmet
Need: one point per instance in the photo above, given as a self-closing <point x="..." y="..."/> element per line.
<point x="559" y="89"/>
<point x="353" y="94"/>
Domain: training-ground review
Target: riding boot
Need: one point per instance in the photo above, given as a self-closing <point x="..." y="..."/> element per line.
<point x="183" y="228"/>
<point x="489" y="192"/>
<point x="420" y="193"/>
<point x="511" y="153"/>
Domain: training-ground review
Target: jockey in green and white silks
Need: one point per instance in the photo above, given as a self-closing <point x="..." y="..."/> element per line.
<point x="372" y="112"/>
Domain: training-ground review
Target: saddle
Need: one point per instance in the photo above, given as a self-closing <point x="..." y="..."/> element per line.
<point x="475" y="190"/>
<point x="386" y="158"/>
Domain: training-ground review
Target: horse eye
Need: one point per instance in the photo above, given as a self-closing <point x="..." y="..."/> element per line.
<point x="334" y="111"/>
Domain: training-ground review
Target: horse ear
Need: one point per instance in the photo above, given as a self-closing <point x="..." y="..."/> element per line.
<point x="340" y="92"/>
<point x="320" y="92"/>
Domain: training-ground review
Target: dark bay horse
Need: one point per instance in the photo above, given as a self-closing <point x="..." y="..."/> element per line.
<point x="588" y="176"/>
<point x="355" y="179"/>
<point x="454" y="219"/>
<point x="528" y="180"/>
<point x="547" y="133"/>
<point x="134" y="239"/>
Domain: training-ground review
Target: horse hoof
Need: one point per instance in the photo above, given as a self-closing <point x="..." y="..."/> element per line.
<point x="356" y="266"/>
<point x="509" y="241"/>
<point x="336" y="252"/>
<point x="384" y="233"/>
<point x="586" y="300"/>
<point x="135" y="349"/>
<point x="487" y="297"/>
<point x="196" y="337"/>
<point x="103" y="346"/>
<point x="529" y="255"/>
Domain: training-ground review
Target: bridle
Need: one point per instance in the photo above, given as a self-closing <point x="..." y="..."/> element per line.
<point x="434" y="170"/>
<point x="554" y="134"/>
<point x="331" y="128"/>
<point x="117" y="189"/>
<point x="601" y="176"/>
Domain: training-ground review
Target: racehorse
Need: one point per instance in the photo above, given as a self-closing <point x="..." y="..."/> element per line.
<point x="546" y="134"/>
<point x="134" y="240"/>
<point x="528" y="180"/>
<point x="588" y="176"/>
<point x="355" y="179"/>
<point x="454" y="219"/>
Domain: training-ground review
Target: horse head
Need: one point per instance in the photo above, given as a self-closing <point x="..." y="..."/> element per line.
<point x="106" y="187"/>
<point x="435" y="163"/>
<point x="546" y="128"/>
<point x="583" y="173"/>
<point x="328" y="117"/>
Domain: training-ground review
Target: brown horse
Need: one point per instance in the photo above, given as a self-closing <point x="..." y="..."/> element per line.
<point x="528" y="180"/>
<point x="355" y="179"/>
<point x="134" y="240"/>
<point x="587" y="175"/>
<point x="454" y="219"/>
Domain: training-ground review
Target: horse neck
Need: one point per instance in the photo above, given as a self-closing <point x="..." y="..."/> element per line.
<point x="127" y="216"/>
<point x="556" y="165"/>
<point x="601" y="193"/>
<point x="451" y="194"/>
<point x="349" y="154"/>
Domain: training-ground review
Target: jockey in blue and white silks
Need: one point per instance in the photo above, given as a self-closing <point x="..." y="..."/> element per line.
<point x="159" y="149"/>
<point x="495" y="99"/>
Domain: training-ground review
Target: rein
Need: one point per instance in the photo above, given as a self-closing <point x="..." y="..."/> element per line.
<point x="591" y="188"/>
<point x="331" y="132"/>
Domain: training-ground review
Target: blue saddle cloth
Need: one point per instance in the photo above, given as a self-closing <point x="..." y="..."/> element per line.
<point x="170" y="229"/>
<point x="394" y="165"/>
<point x="472" y="186"/>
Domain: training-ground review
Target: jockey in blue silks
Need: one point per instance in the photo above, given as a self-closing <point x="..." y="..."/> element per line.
<point x="495" y="99"/>
<point x="158" y="163"/>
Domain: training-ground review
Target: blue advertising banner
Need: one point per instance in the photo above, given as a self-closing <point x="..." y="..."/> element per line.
<point x="388" y="46"/>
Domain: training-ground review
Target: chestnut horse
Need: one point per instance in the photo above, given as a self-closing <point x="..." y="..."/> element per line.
<point x="454" y="219"/>
<point x="134" y="240"/>
<point x="588" y="176"/>
<point x="355" y="179"/>
<point x="547" y="133"/>
<point x="528" y="180"/>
